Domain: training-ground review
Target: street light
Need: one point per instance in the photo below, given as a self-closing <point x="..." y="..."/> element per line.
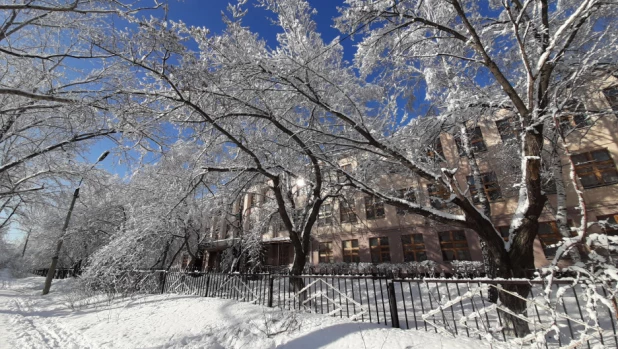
<point x="52" y="267"/>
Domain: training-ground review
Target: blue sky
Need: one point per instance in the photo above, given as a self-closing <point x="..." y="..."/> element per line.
<point x="207" y="13"/>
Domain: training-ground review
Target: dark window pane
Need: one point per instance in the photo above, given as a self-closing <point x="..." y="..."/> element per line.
<point x="448" y="255"/>
<point x="545" y="229"/>
<point x="579" y="159"/>
<point x="580" y="120"/>
<point x="601" y="155"/>
<point x="459" y="236"/>
<point x="610" y="176"/>
<point x="463" y="255"/>
<point x="494" y="195"/>
<point x="445" y="236"/>
<point x="589" y="181"/>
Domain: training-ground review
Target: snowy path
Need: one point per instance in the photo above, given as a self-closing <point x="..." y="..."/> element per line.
<point x="31" y="327"/>
<point x="29" y="320"/>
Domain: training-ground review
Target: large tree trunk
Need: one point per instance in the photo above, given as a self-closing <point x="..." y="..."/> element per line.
<point x="516" y="263"/>
<point x="512" y="324"/>
<point x="521" y="266"/>
<point x="296" y="282"/>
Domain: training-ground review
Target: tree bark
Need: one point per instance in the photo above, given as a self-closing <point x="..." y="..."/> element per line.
<point x="54" y="263"/>
<point x="296" y="281"/>
<point x="561" y="205"/>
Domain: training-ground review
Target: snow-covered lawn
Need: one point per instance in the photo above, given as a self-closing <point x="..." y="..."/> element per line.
<point x="29" y="320"/>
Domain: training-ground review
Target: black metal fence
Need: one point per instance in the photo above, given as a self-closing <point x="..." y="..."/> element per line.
<point x="59" y="273"/>
<point x="459" y="307"/>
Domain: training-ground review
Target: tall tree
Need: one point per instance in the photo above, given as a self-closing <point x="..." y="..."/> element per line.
<point x="57" y="90"/>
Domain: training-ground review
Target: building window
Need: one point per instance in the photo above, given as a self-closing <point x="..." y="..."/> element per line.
<point x="475" y="137"/>
<point x="611" y="93"/>
<point x="595" y="168"/>
<point x="374" y="207"/>
<point x="454" y="245"/>
<point x="408" y="195"/>
<point x="284" y="254"/>
<point x="325" y="250"/>
<point x="490" y="186"/>
<point x="346" y="211"/>
<point x="325" y="216"/>
<point x="507" y="129"/>
<point x="576" y="116"/>
<point x="350" y="251"/>
<point x="611" y="226"/>
<point x="413" y="248"/>
<point x="380" y="251"/>
<point x="549" y="235"/>
<point x="437" y="195"/>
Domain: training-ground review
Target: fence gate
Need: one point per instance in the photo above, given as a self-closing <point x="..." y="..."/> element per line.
<point x="237" y="288"/>
<point x="333" y="296"/>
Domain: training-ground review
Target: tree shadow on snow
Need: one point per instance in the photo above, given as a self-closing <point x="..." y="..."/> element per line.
<point x="330" y="334"/>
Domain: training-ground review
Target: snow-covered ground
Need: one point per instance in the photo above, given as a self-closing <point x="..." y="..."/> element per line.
<point x="29" y="320"/>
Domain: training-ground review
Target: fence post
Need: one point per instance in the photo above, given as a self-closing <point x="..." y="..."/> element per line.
<point x="207" y="284"/>
<point x="270" y="291"/>
<point x="392" y="301"/>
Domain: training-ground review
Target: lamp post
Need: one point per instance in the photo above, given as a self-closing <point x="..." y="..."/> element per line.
<point x="67" y="219"/>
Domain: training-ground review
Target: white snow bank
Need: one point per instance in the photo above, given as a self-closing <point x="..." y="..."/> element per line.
<point x="29" y="320"/>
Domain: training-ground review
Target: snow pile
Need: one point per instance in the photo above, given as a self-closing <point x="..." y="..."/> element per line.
<point x="28" y="320"/>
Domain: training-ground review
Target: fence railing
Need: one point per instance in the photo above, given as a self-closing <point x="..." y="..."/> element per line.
<point x="455" y="306"/>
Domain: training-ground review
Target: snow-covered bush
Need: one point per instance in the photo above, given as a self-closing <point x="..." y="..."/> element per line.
<point x="78" y="297"/>
<point x="120" y="283"/>
<point x="406" y="269"/>
<point x="467" y="269"/>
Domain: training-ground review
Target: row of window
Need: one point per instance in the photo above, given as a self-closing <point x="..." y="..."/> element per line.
<point x="374" y="207"/>
<point x="595" y="168"/>
<point x="453" y="244"/>
<point x="508" y="129"/>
